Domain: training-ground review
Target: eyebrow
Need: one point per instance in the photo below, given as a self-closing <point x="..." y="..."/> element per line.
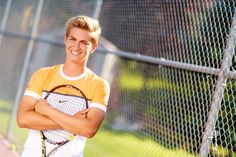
<point x="76" y="39"/>
<point x="71" y="37"/>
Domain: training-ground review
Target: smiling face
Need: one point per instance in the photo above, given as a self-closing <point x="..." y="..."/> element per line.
<point x="78" y="45"/>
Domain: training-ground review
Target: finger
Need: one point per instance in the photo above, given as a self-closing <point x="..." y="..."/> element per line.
<point x="80" y="115"/>
<point x="84" y="111"/>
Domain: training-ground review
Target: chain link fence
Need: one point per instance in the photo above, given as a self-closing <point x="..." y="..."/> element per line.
<point x="170" y="64"/>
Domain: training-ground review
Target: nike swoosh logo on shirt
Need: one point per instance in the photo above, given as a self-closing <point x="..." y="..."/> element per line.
<point x="62" y="101"/>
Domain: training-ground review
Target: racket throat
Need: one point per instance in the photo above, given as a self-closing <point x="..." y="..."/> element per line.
<point x="54" y="150"/>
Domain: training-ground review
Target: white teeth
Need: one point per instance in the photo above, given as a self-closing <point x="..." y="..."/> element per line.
<point x="74" y="53"/>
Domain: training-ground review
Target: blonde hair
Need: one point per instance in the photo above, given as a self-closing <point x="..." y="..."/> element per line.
<point x="87" y="23"/>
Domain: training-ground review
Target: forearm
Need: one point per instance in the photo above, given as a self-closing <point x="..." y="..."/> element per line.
<point x="82" y="126"/>
<point x="33" y="120"/>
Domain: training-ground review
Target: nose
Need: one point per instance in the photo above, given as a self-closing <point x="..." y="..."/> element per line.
<point x="78" y="45"/>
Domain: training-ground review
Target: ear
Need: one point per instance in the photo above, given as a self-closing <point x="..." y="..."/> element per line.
<point x="94" y="47"/>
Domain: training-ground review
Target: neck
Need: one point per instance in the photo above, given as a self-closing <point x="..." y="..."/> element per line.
<point x="72" y="70"/>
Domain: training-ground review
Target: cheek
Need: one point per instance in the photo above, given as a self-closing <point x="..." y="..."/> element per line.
<point x="68" y="45"/>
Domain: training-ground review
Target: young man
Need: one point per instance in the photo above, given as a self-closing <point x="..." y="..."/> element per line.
<point x="35" y="113"/>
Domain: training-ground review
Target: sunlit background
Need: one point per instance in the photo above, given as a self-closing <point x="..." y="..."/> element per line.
<point x="170" y="64"/>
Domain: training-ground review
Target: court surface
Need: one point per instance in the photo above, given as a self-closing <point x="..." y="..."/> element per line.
<point x="5" y="149"/>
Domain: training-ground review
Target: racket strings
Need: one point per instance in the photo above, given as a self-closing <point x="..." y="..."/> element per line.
<point x="68" y="100"/>
<point x="67" y="104"/>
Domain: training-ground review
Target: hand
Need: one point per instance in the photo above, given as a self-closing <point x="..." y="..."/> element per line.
<point x="82" y="114"/>
<point x="42" y="107"/>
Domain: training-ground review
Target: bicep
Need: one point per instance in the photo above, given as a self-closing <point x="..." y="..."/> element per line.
<point x="95" y="116"/>
<point x="27" y="104"/>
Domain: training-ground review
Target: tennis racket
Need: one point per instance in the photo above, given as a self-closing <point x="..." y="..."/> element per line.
<point x="70" y="100"/>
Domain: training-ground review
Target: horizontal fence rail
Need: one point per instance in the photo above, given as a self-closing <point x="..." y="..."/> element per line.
<point x="172" y="82"/>
<point x="134" y="56"/>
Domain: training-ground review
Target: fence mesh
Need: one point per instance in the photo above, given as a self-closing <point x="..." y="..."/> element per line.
<point x="163" y="104"/>
<point x="186" y="31"/>
<point x="154" y="110"/>
<point x="224" y="136"/>
<point x="171" y="106"/>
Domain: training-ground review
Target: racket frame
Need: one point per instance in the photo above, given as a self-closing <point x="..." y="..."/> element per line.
<point x="43" y="137"/>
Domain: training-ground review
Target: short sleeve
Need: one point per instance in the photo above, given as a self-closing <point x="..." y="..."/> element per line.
<point x="36" y="84"/>
<point x="101" y="95"/>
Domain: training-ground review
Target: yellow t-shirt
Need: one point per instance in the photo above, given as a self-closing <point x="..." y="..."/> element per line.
<point x="95" y="88"/>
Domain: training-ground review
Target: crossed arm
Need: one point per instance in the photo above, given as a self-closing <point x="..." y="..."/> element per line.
<point x="38" y="115"/>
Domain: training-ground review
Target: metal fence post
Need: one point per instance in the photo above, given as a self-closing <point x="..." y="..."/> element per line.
<point x="4" y="20"/>
<point x="97" y="9"/>
<point x="219" y="90"/>
<point x="96" y="60"/>
<point x="24" y="68"/>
